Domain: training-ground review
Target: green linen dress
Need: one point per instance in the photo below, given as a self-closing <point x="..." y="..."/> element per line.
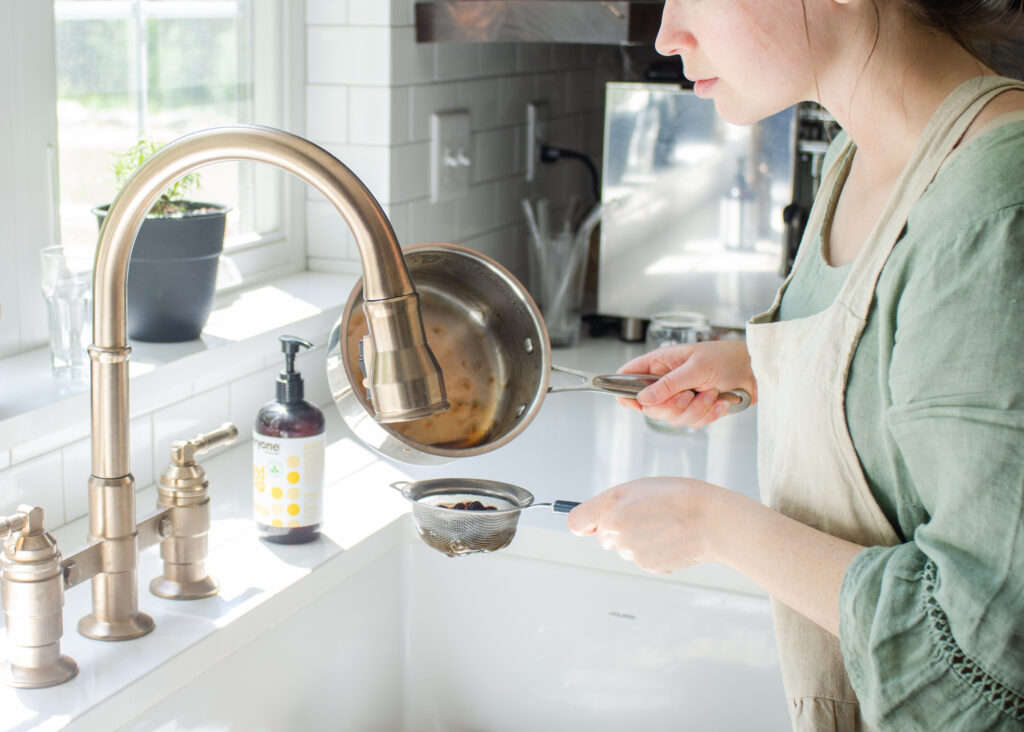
<point x="932" y="630"/>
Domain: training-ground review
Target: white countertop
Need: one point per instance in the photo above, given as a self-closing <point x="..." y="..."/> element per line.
<point x="578" y="445"/>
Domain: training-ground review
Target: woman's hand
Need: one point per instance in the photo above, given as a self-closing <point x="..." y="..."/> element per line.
<point x="692" y="377"/>
<point x="660" y="524"/>
<point x="665" y="524"/>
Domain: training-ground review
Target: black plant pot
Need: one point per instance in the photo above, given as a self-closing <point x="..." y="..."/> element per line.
<point x="172" y="273"/>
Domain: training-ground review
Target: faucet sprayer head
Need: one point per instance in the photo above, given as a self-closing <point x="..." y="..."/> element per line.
<point x="402" y="375"/>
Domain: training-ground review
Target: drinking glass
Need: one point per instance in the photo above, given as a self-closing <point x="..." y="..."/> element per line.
<point x="67" y="288"/>
<point x="562" y="274"/>
<point x="671" y="328"/>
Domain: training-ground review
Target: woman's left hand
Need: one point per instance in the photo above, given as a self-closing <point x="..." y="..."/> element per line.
<point x="660" y="524"/>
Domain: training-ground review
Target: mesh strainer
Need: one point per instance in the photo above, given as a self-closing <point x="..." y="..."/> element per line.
<point x="456" y="531"/>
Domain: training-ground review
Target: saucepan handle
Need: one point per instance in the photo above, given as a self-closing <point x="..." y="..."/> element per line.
<point x="629" y="385"/>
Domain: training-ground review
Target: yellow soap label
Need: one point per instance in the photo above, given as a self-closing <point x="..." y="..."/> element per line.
<point x="288" y="478"/>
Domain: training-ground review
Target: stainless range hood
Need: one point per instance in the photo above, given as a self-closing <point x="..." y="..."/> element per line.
<point x="619" y="22"/>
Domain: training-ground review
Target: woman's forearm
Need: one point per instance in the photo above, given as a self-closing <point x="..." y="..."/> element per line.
<point x="794" y="563"/>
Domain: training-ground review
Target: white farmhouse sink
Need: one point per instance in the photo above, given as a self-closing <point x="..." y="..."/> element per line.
<point x="417" y="641"/>
<point x="369" y="629"/>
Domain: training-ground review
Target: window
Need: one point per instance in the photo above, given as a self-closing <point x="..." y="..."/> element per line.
<point x="87" y="78"/>
<point x="128" y="69"/>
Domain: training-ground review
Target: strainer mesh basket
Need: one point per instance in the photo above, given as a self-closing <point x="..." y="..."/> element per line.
<point x="456" y="531"/>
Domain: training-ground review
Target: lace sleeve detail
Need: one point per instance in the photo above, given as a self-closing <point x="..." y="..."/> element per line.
<point x="1005" y="699"/>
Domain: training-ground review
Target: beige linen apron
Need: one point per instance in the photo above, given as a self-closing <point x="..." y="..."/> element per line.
<point x="807" y="466"/>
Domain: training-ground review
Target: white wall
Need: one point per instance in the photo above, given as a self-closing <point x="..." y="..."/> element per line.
<point x="370" y="93"/>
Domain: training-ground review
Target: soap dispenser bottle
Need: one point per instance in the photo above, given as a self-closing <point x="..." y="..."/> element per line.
<point x="288" y="459"/>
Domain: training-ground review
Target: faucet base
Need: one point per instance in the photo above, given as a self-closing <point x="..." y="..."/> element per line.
<point x="51" y="674"/>
<point x="91" y="627"/>
<point x="195" y="590"/>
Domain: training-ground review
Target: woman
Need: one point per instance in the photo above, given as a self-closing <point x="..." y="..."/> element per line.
<point x="888" y="371"/>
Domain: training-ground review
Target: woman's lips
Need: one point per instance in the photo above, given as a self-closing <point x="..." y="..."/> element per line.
<point x="702" y="87"/>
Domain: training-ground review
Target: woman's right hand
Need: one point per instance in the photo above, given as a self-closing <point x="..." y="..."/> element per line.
<point x="692" y="377"/>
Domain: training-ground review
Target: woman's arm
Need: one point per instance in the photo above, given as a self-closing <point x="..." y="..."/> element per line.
<point x="666" y="524"/>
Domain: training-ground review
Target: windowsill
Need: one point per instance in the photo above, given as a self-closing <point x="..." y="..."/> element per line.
<point x="37" y="409"/>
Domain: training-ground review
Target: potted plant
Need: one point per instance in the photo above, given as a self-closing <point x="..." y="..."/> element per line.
<point x="172" y="272"/>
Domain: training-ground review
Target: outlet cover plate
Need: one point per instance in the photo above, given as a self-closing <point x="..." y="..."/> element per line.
<point x="536" y="131"/>
<point x="451" y="164"/>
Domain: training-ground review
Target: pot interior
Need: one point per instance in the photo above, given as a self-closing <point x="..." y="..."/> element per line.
<point x="489" y="339"/>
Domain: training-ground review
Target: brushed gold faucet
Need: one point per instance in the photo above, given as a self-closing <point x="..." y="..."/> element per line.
<point x="406" y="374"/>
<point x="405" y="378"/>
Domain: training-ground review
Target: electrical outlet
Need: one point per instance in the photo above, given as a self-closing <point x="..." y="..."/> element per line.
<point x="536" y="131"/>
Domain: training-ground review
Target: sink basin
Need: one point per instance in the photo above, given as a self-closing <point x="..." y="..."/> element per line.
<point x="414" y="640"/>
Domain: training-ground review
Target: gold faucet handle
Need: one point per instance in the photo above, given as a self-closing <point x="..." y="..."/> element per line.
<point x="17" y="521"/>
<point x="183" y="452"/>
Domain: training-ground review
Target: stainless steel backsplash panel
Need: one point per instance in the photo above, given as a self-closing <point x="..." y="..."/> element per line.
<point x="693" y="206"/>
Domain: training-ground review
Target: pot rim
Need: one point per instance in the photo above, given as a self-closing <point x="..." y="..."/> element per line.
<point x="409" y="446"/>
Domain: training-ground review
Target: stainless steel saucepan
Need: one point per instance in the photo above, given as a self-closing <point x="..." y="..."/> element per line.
<point x="492" y="345"/>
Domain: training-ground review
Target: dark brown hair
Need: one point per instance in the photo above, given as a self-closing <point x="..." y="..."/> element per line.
<point x="991" y="30"/>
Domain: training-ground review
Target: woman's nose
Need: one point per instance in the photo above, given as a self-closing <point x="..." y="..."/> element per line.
<point x="673" y="38"/>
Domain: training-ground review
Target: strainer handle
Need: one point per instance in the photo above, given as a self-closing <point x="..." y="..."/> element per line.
<point x="399" y="485"/>
<point x="559" y="506"/>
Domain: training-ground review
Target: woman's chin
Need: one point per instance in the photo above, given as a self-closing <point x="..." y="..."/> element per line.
<point x="741" y="114"/>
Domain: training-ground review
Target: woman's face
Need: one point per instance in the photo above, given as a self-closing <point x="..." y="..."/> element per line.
<point x="749" y="56"/>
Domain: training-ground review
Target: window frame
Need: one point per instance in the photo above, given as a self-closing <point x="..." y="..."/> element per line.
<point x="30" y="191"/>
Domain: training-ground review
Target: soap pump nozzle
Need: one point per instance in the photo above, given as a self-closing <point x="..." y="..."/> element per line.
<point x="289" y="381"/>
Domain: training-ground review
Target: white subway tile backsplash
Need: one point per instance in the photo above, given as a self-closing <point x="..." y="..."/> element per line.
<point x="348" y="55"/>
<point x="425" y="100"/>
<point x="201" y="413"/>
<point x="579" y="90"/>
<point x="327" y="113"/>
<point x="56" y="425"/>
<point x="508" y="209"/>
<point x="328" y="12"/>
<point x="480" y="97"/>
<point x="327" y="235"/>
<point x="566" y="55"/>
<point x="402" y="12"/>
<point x="410" y="178"/>
<point x="493" y="152"/>
<point x="550" y="89"/>
<point x="156" y="390"/>
<point x="475" y="212"/>
<point x="457" y="61"/>
<point x="433" y="221"/>
<point x="370" y="12"/>
<point x="506" y="247"/>
<point x="514" y="93"/>
<point x="5" y="458"/>
<point x="247" y="395"/>
<point x="372" y="165"/>
<point x="411" y="62"/>
<point x="497" y="59"/>
<point x="378" y="115"/>
<point x="533" y="57"/>
<point x="35" y="482"/>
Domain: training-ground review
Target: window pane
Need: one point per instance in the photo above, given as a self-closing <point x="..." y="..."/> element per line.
<point x="156" y="69"/>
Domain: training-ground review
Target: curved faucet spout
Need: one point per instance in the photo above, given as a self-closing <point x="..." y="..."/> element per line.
<point x="415" y="388"/>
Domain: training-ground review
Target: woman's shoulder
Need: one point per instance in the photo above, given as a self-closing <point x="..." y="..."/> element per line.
<point x="983" y="178"/>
